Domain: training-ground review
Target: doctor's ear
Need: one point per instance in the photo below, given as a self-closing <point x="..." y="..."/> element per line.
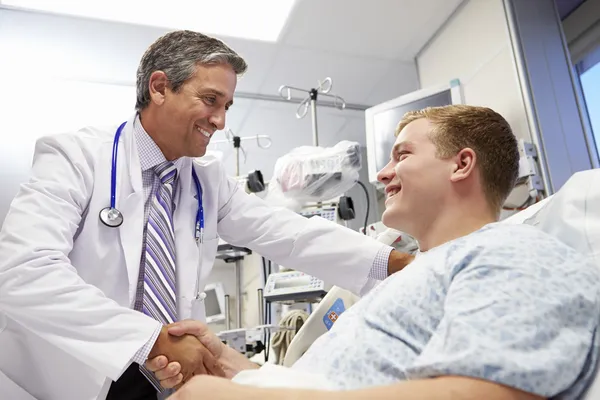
<point x="158" y="85"/>
<point x="464" y="164"/>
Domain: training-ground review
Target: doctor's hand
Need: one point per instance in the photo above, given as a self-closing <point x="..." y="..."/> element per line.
<point x="229" y="360"/>
<point x="168" y="371"/>
<point x="192" y="357"/>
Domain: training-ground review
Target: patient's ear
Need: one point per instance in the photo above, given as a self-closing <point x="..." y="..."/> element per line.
<point x="464" y="164"/>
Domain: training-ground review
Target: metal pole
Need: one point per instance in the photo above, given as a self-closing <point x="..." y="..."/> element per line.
<point x="238" y="292"/>
<point x="237" y="142"/>
<point x="313" y="108"/>
<point x="227" y="314"/>
<point x="261" y="311"/>
<point x="237" y="161"/>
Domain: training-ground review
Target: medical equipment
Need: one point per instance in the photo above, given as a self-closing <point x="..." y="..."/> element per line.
<point x="316" y="174"/>
<point x="214" y="302"/>
<point x="113" y="218"/>
<point x="320" y="321"/>
<point x="248" y="341"/>
<point x="233" y="254"/>
<point x="293" y="286"/>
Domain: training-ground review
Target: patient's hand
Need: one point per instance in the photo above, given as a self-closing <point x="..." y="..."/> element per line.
<point x="212" y="388"/>
<point x="230" y="360"/>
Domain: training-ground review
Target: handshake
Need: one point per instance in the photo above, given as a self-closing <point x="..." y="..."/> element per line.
<point x="188" y="348"/>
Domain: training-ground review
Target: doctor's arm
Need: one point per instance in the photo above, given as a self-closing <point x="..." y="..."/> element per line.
<point x="315" y="246"/>
<point x="39" y="287"/>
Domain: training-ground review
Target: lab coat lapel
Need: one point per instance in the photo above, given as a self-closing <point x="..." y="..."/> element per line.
<point x="188" y="260"/>
<point x="130" y="200"/>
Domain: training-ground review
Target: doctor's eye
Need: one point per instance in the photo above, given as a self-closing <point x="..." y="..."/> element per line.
<point x="210" y="100"/>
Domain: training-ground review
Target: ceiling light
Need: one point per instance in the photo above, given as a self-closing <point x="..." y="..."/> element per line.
<point x="256" y="19"/>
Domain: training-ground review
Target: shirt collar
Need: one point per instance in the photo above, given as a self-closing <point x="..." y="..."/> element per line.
<point x="148" y="150"/>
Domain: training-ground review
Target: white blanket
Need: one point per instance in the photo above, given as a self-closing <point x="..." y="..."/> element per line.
<point x="277" y="376"/>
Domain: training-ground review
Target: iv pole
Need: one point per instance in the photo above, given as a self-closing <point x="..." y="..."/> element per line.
<point x="237" y="145"/>
<point x="322" y="89"/>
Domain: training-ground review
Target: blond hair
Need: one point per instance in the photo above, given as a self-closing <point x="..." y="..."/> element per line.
<point x="483" y="130"/>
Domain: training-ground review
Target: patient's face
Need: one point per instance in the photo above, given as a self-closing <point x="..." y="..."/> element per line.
<point x="416" y="180"/>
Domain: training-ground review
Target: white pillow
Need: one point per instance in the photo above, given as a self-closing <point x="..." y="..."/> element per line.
<point x="573" y="216"/>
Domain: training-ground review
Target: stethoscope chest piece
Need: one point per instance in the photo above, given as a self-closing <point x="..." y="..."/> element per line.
<point x="111" y="217"/>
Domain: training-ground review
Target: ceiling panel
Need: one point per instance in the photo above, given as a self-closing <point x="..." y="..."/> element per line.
<point x="382" y="29"/>
<point x="353" y="77"/>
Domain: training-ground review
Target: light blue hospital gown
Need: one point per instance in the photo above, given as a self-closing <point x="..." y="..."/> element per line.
<point x="508" y="304"/>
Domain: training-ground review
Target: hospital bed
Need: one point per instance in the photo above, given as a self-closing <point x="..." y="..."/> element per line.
<point x="572" y="215"/>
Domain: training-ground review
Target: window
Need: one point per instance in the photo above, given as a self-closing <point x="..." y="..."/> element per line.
<point x="589" y="75"/>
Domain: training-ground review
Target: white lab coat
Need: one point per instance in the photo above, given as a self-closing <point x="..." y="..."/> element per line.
<point x="67" y="282"/>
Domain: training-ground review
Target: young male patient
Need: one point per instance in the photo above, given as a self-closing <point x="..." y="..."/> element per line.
<point x="486" y="310"/>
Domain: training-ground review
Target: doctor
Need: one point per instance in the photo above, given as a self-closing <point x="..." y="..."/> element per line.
<point x="116" y="231"/>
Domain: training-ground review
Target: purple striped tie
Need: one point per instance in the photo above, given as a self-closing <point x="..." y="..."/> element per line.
<point x="159" y="299"/>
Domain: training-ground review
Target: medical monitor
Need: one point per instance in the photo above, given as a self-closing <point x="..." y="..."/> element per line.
<point x="381" y="121"/>
<point x="214" y="302"/>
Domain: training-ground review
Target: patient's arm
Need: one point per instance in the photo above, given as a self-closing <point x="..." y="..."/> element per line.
<point x="442" y="388"/>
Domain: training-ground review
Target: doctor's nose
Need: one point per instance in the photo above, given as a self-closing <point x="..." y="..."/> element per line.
<point x="217" y="120"/>
<point x="387" y="174"/>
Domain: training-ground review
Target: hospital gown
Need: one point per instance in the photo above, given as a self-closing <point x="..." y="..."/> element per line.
<point x="508" y="304"/>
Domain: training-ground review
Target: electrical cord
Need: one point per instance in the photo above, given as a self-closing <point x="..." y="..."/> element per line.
<point x="362" y="185"/>
<point x="267" y="309"/>
<point x="290" y="325"/>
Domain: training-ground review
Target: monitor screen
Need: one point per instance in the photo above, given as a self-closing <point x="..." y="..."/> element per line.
<point x="211" y="304"/>
<point x="214" y="302"/>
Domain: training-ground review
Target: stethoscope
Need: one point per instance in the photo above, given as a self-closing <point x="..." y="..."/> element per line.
<point x="113" y="218"/>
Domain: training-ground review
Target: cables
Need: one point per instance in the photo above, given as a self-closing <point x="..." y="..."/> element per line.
<point x="267" y="308"/>
<point x="290" y="325"/>
<point x="362" y="185"/>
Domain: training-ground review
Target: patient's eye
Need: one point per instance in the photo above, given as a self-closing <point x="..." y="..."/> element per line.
<point x="402" y="155"/>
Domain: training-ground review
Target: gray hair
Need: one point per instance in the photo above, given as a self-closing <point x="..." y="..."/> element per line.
<point x="177" y="54"/>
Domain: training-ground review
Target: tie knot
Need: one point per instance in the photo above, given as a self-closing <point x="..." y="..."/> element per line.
<point x="167" y="172"/>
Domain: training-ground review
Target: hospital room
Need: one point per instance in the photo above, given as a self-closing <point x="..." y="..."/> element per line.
<point x="297" y="199"/>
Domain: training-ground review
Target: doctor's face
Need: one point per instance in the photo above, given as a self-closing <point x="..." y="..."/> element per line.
<point x="191" y="115"/>
<point x="415" y="179"/>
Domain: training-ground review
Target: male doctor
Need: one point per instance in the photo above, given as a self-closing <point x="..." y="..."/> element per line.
<point x="86" y="291"/>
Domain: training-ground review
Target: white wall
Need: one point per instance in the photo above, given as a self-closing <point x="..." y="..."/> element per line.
<point x="474" y="46"/>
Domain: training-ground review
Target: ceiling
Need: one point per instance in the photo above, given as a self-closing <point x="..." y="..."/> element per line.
<point x="367" y="48"/>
